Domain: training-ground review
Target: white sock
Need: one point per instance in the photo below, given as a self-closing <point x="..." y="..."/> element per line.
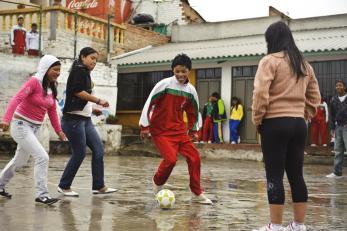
<point x="275" y="226"/>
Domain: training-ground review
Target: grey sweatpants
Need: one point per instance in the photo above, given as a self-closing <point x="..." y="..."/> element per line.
<point x="24" y="133"/>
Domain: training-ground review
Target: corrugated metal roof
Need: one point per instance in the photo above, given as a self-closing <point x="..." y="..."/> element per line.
<point x="333" y="39"/>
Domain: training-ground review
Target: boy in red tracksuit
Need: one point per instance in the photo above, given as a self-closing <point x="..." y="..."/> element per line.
<point x="319" y="125"/>
<point x="17" y="37"/>
<point x="162" y="119"/>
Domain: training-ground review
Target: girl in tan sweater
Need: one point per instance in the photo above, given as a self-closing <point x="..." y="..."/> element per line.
<point x="285" y="92"/>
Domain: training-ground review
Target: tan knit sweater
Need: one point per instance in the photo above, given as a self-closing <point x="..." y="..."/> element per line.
<point x="279" y="93"/>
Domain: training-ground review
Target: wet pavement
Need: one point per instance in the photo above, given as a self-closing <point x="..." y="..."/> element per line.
<point x="236" y="187"/>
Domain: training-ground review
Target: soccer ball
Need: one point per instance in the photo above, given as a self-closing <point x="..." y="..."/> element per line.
<point x="165" y="199"/>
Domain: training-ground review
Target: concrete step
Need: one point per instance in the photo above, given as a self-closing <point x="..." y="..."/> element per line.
<point x="128" y="139"/>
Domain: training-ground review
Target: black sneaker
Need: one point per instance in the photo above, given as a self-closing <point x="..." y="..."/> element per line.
<point x="5" y="194"/>
<point x="46" y="200"/>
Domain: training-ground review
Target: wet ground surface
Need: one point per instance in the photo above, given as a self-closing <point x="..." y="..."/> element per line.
<point x="236" y="187"/>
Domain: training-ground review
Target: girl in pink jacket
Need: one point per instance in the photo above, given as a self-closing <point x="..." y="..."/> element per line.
<point x="25" y="113"/>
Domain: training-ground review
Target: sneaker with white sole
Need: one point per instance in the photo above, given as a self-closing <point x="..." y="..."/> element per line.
<point x="5" y="194"/>
<point x="333" y="176"/>
<point x="202" y="199"/>
<point x="292" y="227"/>
<point x="156" y="188"/>
<point x="67" y="192"/>
<point x="105" y="190"/>
<point x="268" y="228"/>
<point x="46" y="200"/>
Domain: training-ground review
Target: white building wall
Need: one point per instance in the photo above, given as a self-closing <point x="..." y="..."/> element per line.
<point x="165" y="11"/>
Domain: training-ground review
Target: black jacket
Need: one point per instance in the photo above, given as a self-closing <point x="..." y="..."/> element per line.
<point x="79" y="80"/>
<point x="337" y="112"/>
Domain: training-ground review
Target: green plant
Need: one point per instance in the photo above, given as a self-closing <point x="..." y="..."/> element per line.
<point x="111" y="119"/>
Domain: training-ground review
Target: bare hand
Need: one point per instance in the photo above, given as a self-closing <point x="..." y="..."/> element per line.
<point x="4" y="126"/>
<point x="194" y="135"/>
<point x="104" y="103"/>
<point x="145" y="134"/>
<point x="62" y="136"/>
<point x="259" y="128"/>
<point x="332" y="133"/>
<point x="97" y="111"/>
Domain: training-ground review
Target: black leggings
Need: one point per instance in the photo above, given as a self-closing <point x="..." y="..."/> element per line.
<point x="283" y="142"/>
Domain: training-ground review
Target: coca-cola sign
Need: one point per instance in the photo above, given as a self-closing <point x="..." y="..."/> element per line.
<point x="86" y="4"/>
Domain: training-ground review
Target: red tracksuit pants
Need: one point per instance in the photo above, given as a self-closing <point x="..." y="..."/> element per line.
<point x="207" y="130"/>
<point x="318" y="127"/>
<point x="169" y="147"/>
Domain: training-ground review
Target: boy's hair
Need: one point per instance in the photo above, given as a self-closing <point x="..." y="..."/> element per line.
<point x="183" y="60"/>
<point x="215" y="95"/>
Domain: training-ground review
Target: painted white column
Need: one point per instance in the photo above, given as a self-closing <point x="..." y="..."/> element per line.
<point x="226" y="83"/>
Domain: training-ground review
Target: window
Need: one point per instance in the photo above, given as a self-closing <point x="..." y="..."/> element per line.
<point x="209" y="73"/>
<point x="134" y="88"/>
<point x="244" y="71"/>
<point x="327" y="72"/>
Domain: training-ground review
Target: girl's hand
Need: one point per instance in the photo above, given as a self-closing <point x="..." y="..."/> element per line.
<point x="4" y="126"/>
<point x="97" y="111"/>
<point x="332" y="133"/>
<point x="103" y="103"/>
<point x="62" y="136"/>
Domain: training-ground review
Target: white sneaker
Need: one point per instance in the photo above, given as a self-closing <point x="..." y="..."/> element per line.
<point x="268" y="228"/>
<point x="202" y="199"/>
<point x="156" y="188"/>
<point x="67" y="192"/>
<point x="105" y="190"/>
<point x="291" y="227"/>
<point x="334" y="176"/>
<point x="324" y="145"/>
<point x="233" y="142"/>
<point x="313" y="145"/>
<point x="209" y="142"/>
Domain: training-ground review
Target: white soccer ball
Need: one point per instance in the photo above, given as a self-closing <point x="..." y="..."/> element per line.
<point x="165" y="199"/>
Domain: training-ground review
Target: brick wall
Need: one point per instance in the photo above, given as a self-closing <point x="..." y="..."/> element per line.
<point x="136" y="37"/>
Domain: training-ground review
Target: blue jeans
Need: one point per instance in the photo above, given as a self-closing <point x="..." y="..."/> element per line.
<point x="233" y="125"/>
<point x="339" y="148"/>
<point x="81" y="133"/>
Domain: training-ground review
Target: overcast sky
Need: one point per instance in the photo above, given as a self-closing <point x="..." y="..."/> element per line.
<point x="222" y="10"/>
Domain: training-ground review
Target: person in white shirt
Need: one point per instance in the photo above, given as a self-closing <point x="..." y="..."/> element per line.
<point x="32" y="41"/>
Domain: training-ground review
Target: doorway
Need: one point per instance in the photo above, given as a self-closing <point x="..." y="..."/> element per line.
<point x="243" y="89"/>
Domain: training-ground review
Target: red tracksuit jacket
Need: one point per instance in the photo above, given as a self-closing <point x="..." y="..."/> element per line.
<point x="163" y="110"/>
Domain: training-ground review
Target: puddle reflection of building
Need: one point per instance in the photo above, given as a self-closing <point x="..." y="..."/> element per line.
<point x="96" y="213"/>
<point x="68" y="218"/>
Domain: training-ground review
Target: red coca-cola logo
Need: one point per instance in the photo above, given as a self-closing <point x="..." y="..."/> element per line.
<point x="86" y="4"/>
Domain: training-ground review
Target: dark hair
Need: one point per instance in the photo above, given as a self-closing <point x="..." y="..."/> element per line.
<point x="33" y="24"/>
<point x="181" y="59"/>
<point x="216" y="95"/>
<point x="84" y="52"/>
<point x="340" y="81"/>
<point x="238" y="101"/>
<point x="52" y="85"/>
<point x="279" y="38"/>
